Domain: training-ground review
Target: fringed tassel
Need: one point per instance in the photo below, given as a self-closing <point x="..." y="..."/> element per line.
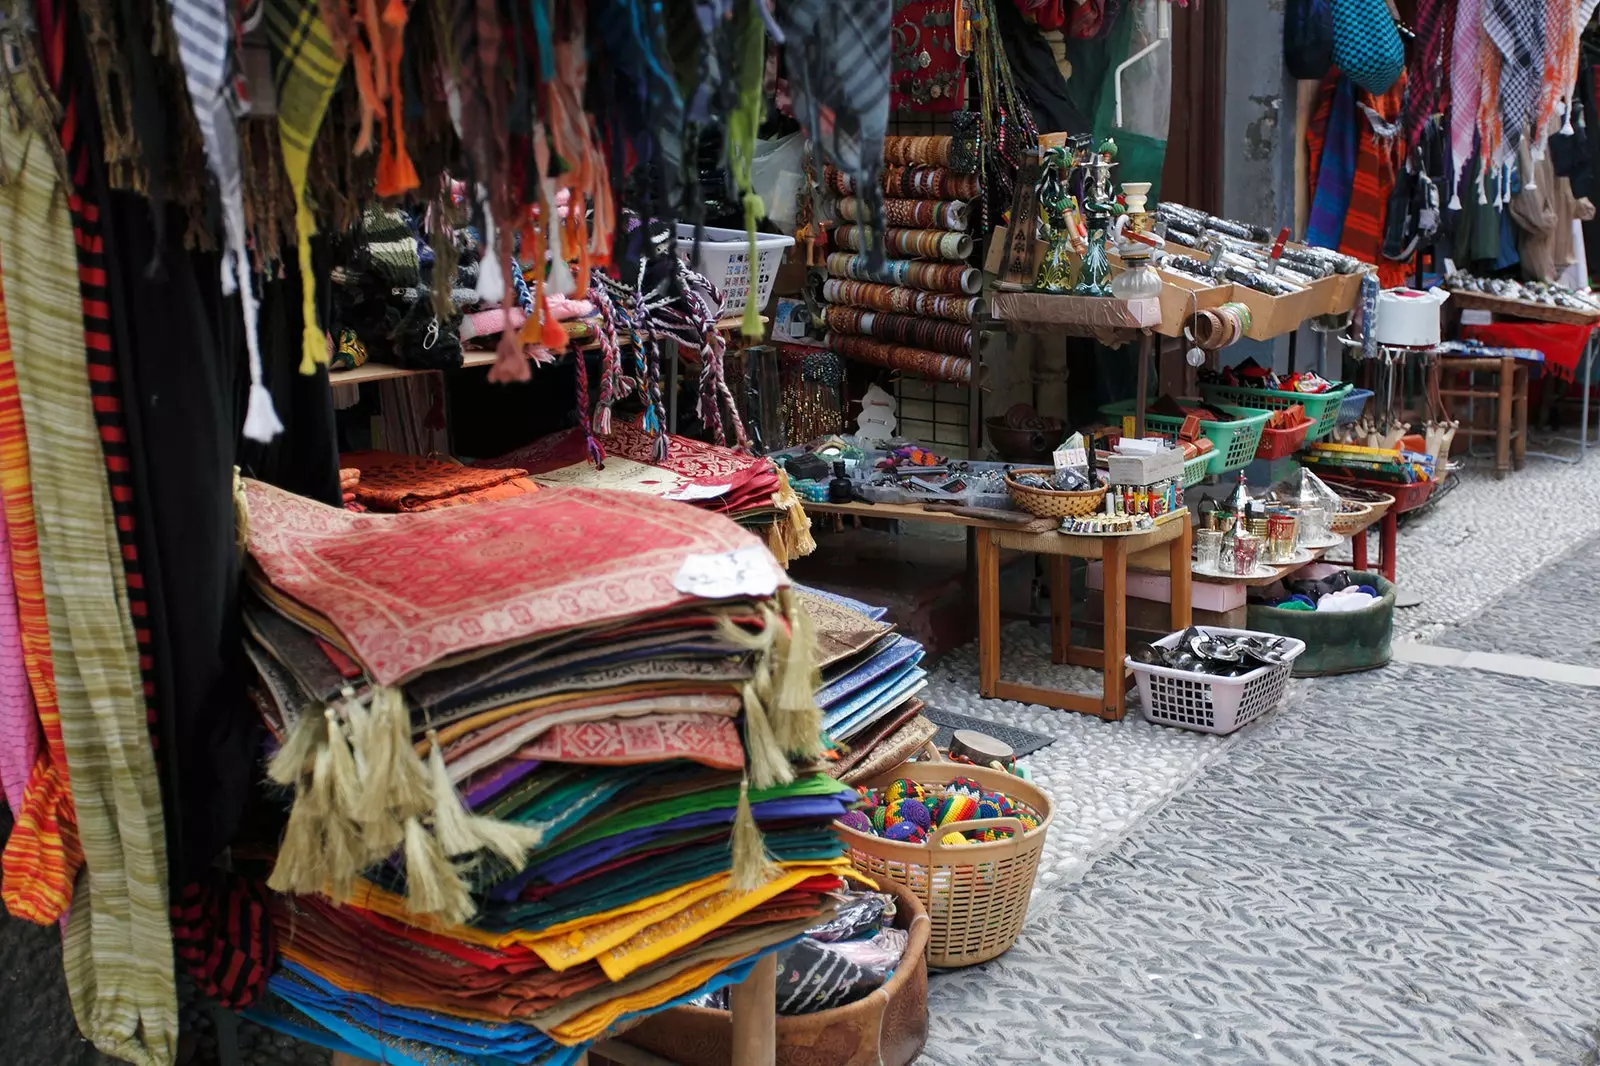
<point x="560" y="280"/>
<point x="799" y="720"/>
<point x="752" y="867"/>
<point x="241" y="515"/>
<point x="299" y="853"/>
<point x="768" y="762"/>
<point x="510" y="363"/>
<point x="432" y="884"/>
<point x="344" y="783"/>
<point x="463" y="833"/>
<point x="293" y="758"/>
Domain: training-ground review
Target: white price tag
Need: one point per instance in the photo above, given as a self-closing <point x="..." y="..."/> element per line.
<point x="700" y="492"/>
<point x="745" y="572"/>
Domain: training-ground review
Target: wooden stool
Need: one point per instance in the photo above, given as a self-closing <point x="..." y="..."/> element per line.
<point x="1509" y="425"/>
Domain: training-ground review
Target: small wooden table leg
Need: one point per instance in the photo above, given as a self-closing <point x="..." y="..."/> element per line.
<point x="1358" y="550"/>
<point x="1178" y="553"/>
<point x="1391" y="530"/>
<point x="753" y="1003"/>
<point x="1115" y="564"/>
<point x="1502" y="436"/>
<point x="1060" y="608"/>
<point x="988" y="614"/>
<point x="1519" y="447"/>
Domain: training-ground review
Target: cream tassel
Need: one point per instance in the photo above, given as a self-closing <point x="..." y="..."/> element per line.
<point x="432" y="884"/>
<point x="343" y="782"/>
<point x="769" y="766"/>
<point x="752" y="868"/>
<point x="241" y="513"/>
<point x="463" y="833"/>
<point x="394" y="778"/>
<point x="286" y="767"/>
<point x="799" y="722"/>
<point x="299" y="853"/>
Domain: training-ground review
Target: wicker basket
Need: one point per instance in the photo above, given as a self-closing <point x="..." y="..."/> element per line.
<point x="977" y="894"/>
<point x="1379" y="502"/>
<point x="1353" y="517"/>
<point x="887" y="1028"/>
<point x="1051" y="503"/>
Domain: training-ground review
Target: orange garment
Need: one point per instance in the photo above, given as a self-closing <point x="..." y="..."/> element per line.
<point x="390" y="481"/>
<point x="42" y="855"/>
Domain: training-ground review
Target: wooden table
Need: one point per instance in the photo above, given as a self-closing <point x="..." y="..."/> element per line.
<point x="1113" y="552"/>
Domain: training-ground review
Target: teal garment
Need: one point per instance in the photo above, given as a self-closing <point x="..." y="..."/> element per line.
<point x="1092" y="91"/>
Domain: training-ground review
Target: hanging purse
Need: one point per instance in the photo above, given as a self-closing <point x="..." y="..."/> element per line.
<point x="1366" y="44"/>
<point x="1308" y="39"/>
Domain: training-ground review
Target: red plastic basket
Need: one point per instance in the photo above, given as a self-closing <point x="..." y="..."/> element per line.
<point x="1281" y="443"/>
<point x="1406" y="497"/>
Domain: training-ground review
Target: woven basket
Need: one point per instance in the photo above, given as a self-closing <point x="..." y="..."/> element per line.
<point x="1379" y="502"/>
<point x="1050" y="503"/>
<point x="976" y="895"/>
<point x="887" y="1028"/>
<point x="1352" y="516"/>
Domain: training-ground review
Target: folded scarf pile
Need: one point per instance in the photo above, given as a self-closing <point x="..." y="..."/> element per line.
<point x="547" y="756"/>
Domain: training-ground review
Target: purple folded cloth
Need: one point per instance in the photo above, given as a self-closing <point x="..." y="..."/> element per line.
<point x="506" y="774"/>
<point x="570" y="864"/>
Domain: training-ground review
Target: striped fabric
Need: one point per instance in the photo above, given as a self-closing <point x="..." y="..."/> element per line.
<point x="1517" y="28"/>
<point x="42" y="855"/>
<point x="118" y="947"/>
<point x="1560" y="60"/>
<point x="305" y="68"/>
<point x="204" y="30"/>
<point x="1362" y="235"/>
<point x="19" y="722"/>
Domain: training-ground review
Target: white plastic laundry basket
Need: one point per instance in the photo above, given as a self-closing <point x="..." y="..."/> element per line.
<point x="725" y="260"/>
<point x="1208" y="703"/>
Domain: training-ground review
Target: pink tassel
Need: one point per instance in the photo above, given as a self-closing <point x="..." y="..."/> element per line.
<point x="510" y="365"/>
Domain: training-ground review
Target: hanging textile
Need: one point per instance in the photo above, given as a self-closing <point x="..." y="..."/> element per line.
<point x="204" y="30"/>
<point x="305" y="67"/>
<point x="1466" y="85"/>
<point x="1517" y="28"/>
<point x="118" y="946"/>
<point x="1428" y="73"/>
<point x="1332" y="139"/>
<point x="1376" y="162"/>
<point x="19" y="722"/>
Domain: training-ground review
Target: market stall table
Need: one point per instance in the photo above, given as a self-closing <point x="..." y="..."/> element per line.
<point x="991" y="535"/>
<point x="1176" y="534"/>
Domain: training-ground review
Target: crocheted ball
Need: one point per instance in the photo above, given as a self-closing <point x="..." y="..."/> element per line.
<point x="953" y="838"/>
<point x="907" y="832"/>
<point x="966" y="785"/>
<point x="908" y="810"/>
<point x="879" y="817"/>
<point x="903" y="788"/>
<point x="857" y="821"/>
<point x="958" y="807"/>
<point x="988" y="808"/>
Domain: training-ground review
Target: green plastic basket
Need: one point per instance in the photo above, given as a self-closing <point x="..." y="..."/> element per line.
<point x="1321" y="407"/>
<point x="1195" y="470"/>
<point x="1233" y="444"/>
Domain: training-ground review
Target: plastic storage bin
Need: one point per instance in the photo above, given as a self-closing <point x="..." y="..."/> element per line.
<point x="1337" y="642"/>
<point x="1233" y="443"/>
<point x="725" y="260"/>
<point x="1282" y="443"/>
<point x="1321" y="407"/>
<point x="1207" y="703"/>
<point x="1355" y="403"/>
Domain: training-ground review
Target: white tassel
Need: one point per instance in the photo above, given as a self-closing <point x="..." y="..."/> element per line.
<point x="261" y="421"/>
<point x="560" y="280"/>
<point x="491" y="280"/>
<point x="462" y="833"/>
<point x="1566" y="118"/>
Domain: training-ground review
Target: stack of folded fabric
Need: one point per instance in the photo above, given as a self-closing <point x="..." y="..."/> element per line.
<point x="550" y="764"/>
<point x="391" y="482"/>
<point x="751" y="490"/>
<point x="871" y="677"/>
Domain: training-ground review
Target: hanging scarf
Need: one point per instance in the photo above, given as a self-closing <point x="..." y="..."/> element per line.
<point x="1429" y="70"/>
<point x="1517" y="28"/>
<point x="838" y="61"/>
<point x="204" y="30"/>
<point x="1334" y="159"/>
<point x="1560" y="61"/>
<point x="1466" y="83"/>
<point x="306" y="67"/>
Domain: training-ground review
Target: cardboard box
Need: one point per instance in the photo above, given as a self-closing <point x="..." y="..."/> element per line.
<point x="1144" y="469"/>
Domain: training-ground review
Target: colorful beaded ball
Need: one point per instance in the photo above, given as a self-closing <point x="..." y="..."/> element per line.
<point x="857" y="821"/>
<point x="958" y="807"/>
<point x="908" y="810"/>
<point x="908" y="832"/>
<point x="903" y="788"/>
